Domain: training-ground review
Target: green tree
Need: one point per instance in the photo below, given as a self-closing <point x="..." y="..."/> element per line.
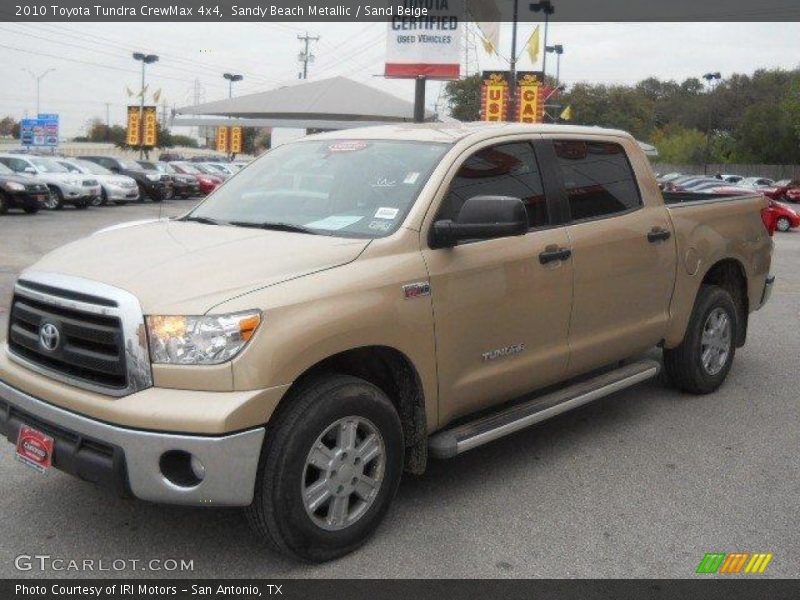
<point x="9" y="127"/>
<point x="464" y="97"/>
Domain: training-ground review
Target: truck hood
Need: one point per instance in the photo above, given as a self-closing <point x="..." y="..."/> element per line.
<point x="177" y="267"/>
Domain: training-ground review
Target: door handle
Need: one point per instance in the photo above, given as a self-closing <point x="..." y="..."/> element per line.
<point x="549" y="256"/>
<point x="658" y="234"/>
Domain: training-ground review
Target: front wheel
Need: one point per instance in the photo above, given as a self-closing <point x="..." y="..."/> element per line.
<point x="330" y="466"/>
<point x="701" y="362"/>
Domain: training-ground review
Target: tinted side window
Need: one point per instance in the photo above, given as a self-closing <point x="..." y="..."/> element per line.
<point x="504" y="170"/>
<point x="598" y="178"/>
<point x="15" y="164"/>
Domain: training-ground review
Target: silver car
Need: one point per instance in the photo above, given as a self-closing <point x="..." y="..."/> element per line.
<point x="114" y="188"/>
<point x="64" y="187"/>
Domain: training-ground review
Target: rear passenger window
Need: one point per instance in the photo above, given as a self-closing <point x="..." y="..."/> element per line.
<point x="598" y="178"/>
<point x="504" y="170"/>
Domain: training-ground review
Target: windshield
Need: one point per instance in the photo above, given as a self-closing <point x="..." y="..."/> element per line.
<point x="92" y="168"/>
<point x="359" y="188"/>
<point x="147" y="166"/>
<point x="130" y="165"/>
<point x="186" y="168"/>
<point x="48" y="165"/>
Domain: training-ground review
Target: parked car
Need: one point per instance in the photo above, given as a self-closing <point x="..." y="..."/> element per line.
<point x="169" y="180"/>
<point x="224" y="171"/>
<point x="756" y="182"/>
<point x="64" y="187"/>
<point x="207" y="183"/>
<point x="119" y="189"/>
<point x="170" y="156"/>
<point x="730" y="178"/>
<point x="185" y="185"/>
<point x="151" y="185"/>
<point x="21" y="192"/>
<point x="209" y="158"/>
<point x="357" y="301"/>
<point x="785" y="218"/>
<point x="207" y="169"/>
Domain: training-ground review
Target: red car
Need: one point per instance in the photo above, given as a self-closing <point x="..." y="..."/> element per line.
<point x="776" y="216"/>
<point x="207" y="183"/>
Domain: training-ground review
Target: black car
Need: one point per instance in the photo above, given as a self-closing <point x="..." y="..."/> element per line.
<point x="154" y="185"/>
<point x="184" y="185"/>
<point x="19" y="192"/>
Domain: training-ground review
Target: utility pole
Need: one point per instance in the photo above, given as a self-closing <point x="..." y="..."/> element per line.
<point x="108" y="121"/>
<point x="512" y="65"/>
<point x="709" y="77"/>
<point x="38" y="79"/>
<point x="305" y="57"/>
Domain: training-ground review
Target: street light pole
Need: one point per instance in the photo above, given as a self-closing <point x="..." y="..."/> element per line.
<point x="38" y="79"/>
<point x="146" y="59"/>
<point x="709" y="77"/>
<point x="558" y="49"/>
<point x="231" y="77"/>
<point x="546" y="7"/>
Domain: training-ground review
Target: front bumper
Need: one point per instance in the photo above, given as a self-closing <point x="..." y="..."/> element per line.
<point x="28" y="199"/>
<point x="132" y="460"/>
<point x="122" y="194"/>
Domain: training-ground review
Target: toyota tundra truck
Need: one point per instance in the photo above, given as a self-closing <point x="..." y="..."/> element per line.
<point x="356" y="302"/>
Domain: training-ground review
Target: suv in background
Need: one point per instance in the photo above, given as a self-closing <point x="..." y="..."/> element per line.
<point x="19" y="192"/>
<point x="152" y="185"/>
<point x="64" y="187"/>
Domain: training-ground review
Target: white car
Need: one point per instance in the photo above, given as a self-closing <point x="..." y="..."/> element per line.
<point x="64" y="187"/>
<point x="756" y="182"/>
<point x="115" y="188"/>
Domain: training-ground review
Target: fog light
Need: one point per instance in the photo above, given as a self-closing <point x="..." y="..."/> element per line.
<point x="181" y="468"/>
<point x="198" y="468"/>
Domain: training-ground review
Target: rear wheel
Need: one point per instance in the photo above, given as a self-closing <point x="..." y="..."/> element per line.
<point x="3" y="204"/>
<point x="56" y="200"/>
<point x="330" y="466"/>
<point x="702" y="361"/>
<point x="783" y="224"/>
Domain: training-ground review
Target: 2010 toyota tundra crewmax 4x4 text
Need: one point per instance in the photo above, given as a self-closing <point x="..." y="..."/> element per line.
<point x="355" y="302"/>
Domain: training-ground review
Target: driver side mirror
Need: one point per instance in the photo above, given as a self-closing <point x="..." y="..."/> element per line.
<point x="483" y="218"/>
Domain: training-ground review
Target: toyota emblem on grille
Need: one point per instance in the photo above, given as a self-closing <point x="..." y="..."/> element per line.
<point x="49" y="336"/>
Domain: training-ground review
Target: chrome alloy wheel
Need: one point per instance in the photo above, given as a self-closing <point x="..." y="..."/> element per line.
<point x="52" y="199"/>
<point x="343" y="473"/>
<point x="715" y="343"/>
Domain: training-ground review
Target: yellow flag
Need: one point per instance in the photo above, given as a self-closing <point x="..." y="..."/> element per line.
<point x="566" y="114"/>
<point x="533" y="46"/>
<point x="488" y="46"/>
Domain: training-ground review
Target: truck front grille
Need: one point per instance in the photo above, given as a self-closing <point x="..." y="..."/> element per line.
<point x="83" y="346"/>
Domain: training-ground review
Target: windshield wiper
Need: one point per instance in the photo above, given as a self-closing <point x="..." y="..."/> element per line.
<point x="275" y="227"/>
<point x="203" y="220"/>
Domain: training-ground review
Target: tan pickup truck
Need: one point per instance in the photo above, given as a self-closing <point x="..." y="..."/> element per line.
<point x="355" y="302"/>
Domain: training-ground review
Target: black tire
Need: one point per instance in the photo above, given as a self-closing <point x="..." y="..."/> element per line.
<point x="684" y="364"/>
<point x="119" y="202"/>
<point x="783" y="224"/>
<point x="59" y="199"/>
<point x="103" y="197"/>
<point x="278" y="513"/>
<point x="81" y="204"/>
<point x="142" y="192"/>
<point x="3" y="204"/>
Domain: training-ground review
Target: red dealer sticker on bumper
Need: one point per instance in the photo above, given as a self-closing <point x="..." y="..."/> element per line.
<point x="34" y="448"/>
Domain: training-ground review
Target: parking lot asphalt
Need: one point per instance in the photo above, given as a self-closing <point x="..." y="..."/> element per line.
<point x="640" y="484"/>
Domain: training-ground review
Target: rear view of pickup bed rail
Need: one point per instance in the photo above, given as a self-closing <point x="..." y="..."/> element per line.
<point x="355" y="301"/>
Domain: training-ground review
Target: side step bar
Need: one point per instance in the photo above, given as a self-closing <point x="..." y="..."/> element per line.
<point x="449" y="442"/>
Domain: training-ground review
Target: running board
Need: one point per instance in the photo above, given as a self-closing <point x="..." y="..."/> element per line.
<point x="449" y="442"/>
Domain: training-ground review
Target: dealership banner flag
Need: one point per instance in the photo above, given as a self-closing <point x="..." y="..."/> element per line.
<point x="134" y="126"/>
<point x="222" y="139"/>
<point x="150" y="135"/>
<point x="494" y="96"/>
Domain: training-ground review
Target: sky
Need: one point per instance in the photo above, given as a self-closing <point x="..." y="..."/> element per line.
<point x="93" y="64"/>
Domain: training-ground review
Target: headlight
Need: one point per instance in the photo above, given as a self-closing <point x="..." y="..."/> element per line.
<point x="14" y="186"/>
<point x="153" y="177"/>
<point x="203" y="340"/>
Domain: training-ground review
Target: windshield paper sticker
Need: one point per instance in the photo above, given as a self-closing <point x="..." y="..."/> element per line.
<point x="411" y="178"/>
<point x="353" y="146"/>
<point x="386" y="213"/>
<point x="334" y="222"/>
